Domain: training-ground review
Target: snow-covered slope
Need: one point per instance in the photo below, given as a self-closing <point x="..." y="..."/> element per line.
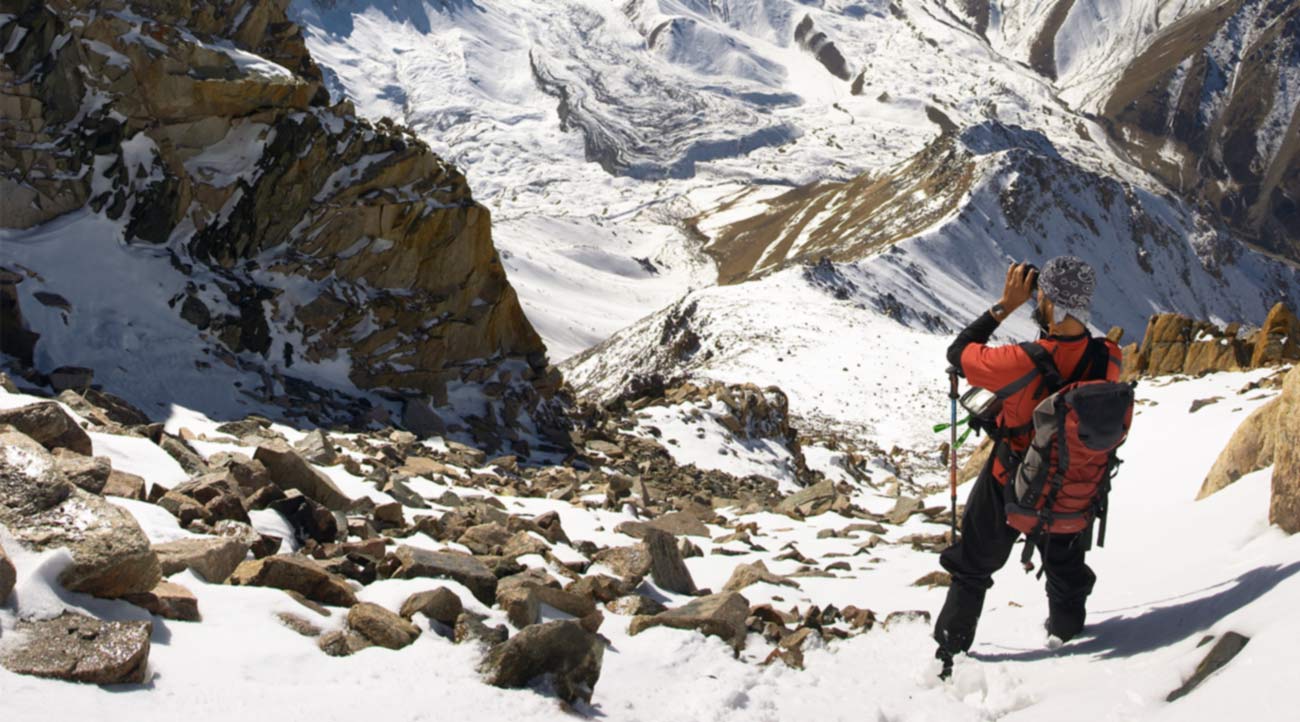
<point x="1174" y="571"/>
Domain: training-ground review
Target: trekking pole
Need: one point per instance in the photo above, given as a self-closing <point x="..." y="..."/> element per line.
<point x="952" y="450"/>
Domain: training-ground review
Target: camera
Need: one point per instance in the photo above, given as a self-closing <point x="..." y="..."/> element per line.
<point x="1033" y="285"/>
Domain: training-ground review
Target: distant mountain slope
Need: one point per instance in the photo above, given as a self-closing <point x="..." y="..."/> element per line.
<point x="214" y="231"/>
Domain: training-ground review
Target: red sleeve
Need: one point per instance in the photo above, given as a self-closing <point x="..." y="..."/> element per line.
<point x="993" y="367"/>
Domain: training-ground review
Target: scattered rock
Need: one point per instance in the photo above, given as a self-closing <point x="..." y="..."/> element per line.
<point x="343" y="642"/>
<point x="382" y="627"/>
<point x="89" y="473"/>
<point x="124" y="485"/>
<point x="299" y="624"/>
<point x="289" y="470"/>
<point x="934" y="579"/>
<point x="903" y="510"/>
<point x="169" y="601"/>
<point x="77" y="648"/>
<point x="310" y="519"/>
<point x="50" y="426"/>
<point x="746" y="574"/>
<point x="188" y="458"/>
<point x="630" y="562"/>
<point x="635" y="605"/>
<point x="470" y="627"/>
<point x="666" y="566"/>
<point x="568" y="656"/>
<point x="440" y="605"/>
<point x="317" y="448"/>
<point x="1228" y="646"/>
<point x="407" y="562"/>
<point x="720" y="615"/>
<point x="213" y="558"/>
<point x="817" y="499"/>
<point x="293" y="573"/>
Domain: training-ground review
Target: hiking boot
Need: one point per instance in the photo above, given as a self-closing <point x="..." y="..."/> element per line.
<point x="1053" y="641"/>
<point x="945" y="657"/>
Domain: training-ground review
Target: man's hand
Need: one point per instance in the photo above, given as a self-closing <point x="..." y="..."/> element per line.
<point x="1019" y="286"/>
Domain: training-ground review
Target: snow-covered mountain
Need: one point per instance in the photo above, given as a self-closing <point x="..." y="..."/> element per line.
<point x="760" y="133"/>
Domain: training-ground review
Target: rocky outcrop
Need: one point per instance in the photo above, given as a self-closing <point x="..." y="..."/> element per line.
<point x="51" y="426"/>
<point x="1284" y="504"/>
<point x="77" y="648"/>
<point x="111" y="556"/>
<point x="1177" y="344"/>
<point x="209" y="131"/>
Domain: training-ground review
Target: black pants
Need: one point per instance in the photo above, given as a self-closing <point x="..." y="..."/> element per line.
<point x="986" y="544"/>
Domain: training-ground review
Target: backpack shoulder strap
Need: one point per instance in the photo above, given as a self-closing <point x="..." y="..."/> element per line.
<point x="1045" y="365"/>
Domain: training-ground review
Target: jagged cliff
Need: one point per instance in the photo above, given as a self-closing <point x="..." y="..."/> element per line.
<point x="339" y="260"/>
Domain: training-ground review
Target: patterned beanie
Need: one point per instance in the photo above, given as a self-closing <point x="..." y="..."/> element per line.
<point x="1068" y="282"/>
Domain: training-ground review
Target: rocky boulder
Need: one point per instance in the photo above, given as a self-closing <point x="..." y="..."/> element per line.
<point x="719" y="615"/>
<point x="289" y="470"/>
<point x="814" y="500"/>
<point x="77" y="648"/>
<point x="381" y="627"/>
<point x="566" y="655"/>
<point x="407" y="562"/>
<point x="169" y="601"/>
<point x="1284" y="504"/>
<point x="111" y="556"/>
<point x="213" y="558"/>
<point x="296" y="574"/>
<point x="1251" y="448"/>
<point x="50" y="426"/>
<point x="440" y="605"/>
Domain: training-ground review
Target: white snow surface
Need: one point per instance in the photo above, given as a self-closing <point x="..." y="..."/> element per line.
<point x="1174" y="571"/>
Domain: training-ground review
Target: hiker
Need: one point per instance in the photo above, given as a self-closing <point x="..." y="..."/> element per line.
<point x="1064" y="287"/>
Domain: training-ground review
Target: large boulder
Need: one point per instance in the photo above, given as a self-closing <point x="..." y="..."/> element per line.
<point x="111" y="555"/>
<point x="1279" y="338"/>
<point x="8" y="577"/>
<point x="719" y="615"/>
<point x="77" y="648"/>
<point x="49" y="425"/>
<point x="381" y="627"/>
<point x="565" y="653"/>
<point x="1251" y="448"/>
<point x="213" y="558"/>
<point x="289" y="470"/>
<point x="407" y="562"/>
<point x="1284" y="504"/>
<point x="295" y="574"/>
<point x="440" y="605"/>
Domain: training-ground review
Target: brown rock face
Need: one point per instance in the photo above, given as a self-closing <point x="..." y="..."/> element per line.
<point x="77" y="648"/>
<point x="289" y="470"/>
<point x="1177" y="344"/>
<point x="1251" y="448"/>
<point x="403" y="282"/>
<point x="110" y="554"/>
<point x="1284" y="505"/>
<point x="409" y="562"/>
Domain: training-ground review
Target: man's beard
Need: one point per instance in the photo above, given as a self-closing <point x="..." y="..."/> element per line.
<point x="1044" y="323"/>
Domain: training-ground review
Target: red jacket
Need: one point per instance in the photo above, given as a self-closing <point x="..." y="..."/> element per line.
<point x="1009" y="372"/>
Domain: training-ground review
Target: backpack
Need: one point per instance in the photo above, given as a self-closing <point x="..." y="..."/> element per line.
<point x="1062" y="482"/>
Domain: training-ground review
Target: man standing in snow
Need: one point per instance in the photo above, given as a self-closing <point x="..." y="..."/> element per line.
<point x="1065" y="289"/>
